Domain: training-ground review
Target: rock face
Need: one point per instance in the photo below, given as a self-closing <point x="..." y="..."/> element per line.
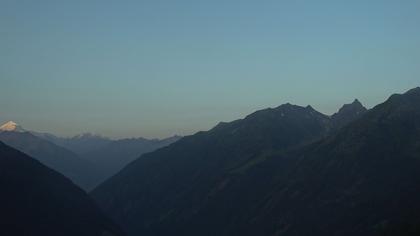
<point x="36" y="200"/>
<point x="194" y="186"/>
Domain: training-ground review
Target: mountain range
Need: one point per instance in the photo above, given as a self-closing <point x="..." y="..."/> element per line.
<point x="86" y="159"/>
<point x="285" y="171"/>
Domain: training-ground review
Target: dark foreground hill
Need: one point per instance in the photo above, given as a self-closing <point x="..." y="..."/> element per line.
<point x="36" y="200"/>
<point x="206" y="184"/>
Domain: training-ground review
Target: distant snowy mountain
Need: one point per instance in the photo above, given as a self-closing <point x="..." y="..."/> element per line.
<point x="11" y="126"/>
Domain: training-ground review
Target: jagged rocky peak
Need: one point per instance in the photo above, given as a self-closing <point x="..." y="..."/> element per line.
<point x="355" y="107"/>
<point x="348" y="113"/>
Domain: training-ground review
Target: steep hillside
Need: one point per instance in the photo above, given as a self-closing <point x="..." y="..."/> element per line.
<point x="35" y="200"/>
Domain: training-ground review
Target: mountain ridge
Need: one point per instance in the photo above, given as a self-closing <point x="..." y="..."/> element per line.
<point x="187" y="174"/>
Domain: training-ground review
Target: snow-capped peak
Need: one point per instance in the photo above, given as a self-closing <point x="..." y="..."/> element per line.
<point x="11" y="126"/>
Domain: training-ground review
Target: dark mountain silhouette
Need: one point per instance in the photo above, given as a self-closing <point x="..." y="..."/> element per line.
<point x="348" y="113"/>
<point x="36" y="200"/>
<point x="112" y="157"/>
<point x="82" y="172"/>
<point x="251" y="177"/>
<point x="364" y="180"/>
<point x="176" y="188"/>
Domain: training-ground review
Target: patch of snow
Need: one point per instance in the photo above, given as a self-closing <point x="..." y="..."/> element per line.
<point x="11" y="126"/>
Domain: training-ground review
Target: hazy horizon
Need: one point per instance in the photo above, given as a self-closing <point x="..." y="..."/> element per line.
<point x="159" y="68"/>
<point x="74" y="133"/>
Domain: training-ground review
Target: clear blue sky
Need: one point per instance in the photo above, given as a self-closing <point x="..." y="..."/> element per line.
<point x="156" y="68"/>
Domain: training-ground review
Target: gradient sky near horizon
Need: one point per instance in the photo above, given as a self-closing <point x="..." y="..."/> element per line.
<point x="157" y="68"/>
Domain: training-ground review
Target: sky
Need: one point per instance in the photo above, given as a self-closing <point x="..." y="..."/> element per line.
<point x="158" y="68"/>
